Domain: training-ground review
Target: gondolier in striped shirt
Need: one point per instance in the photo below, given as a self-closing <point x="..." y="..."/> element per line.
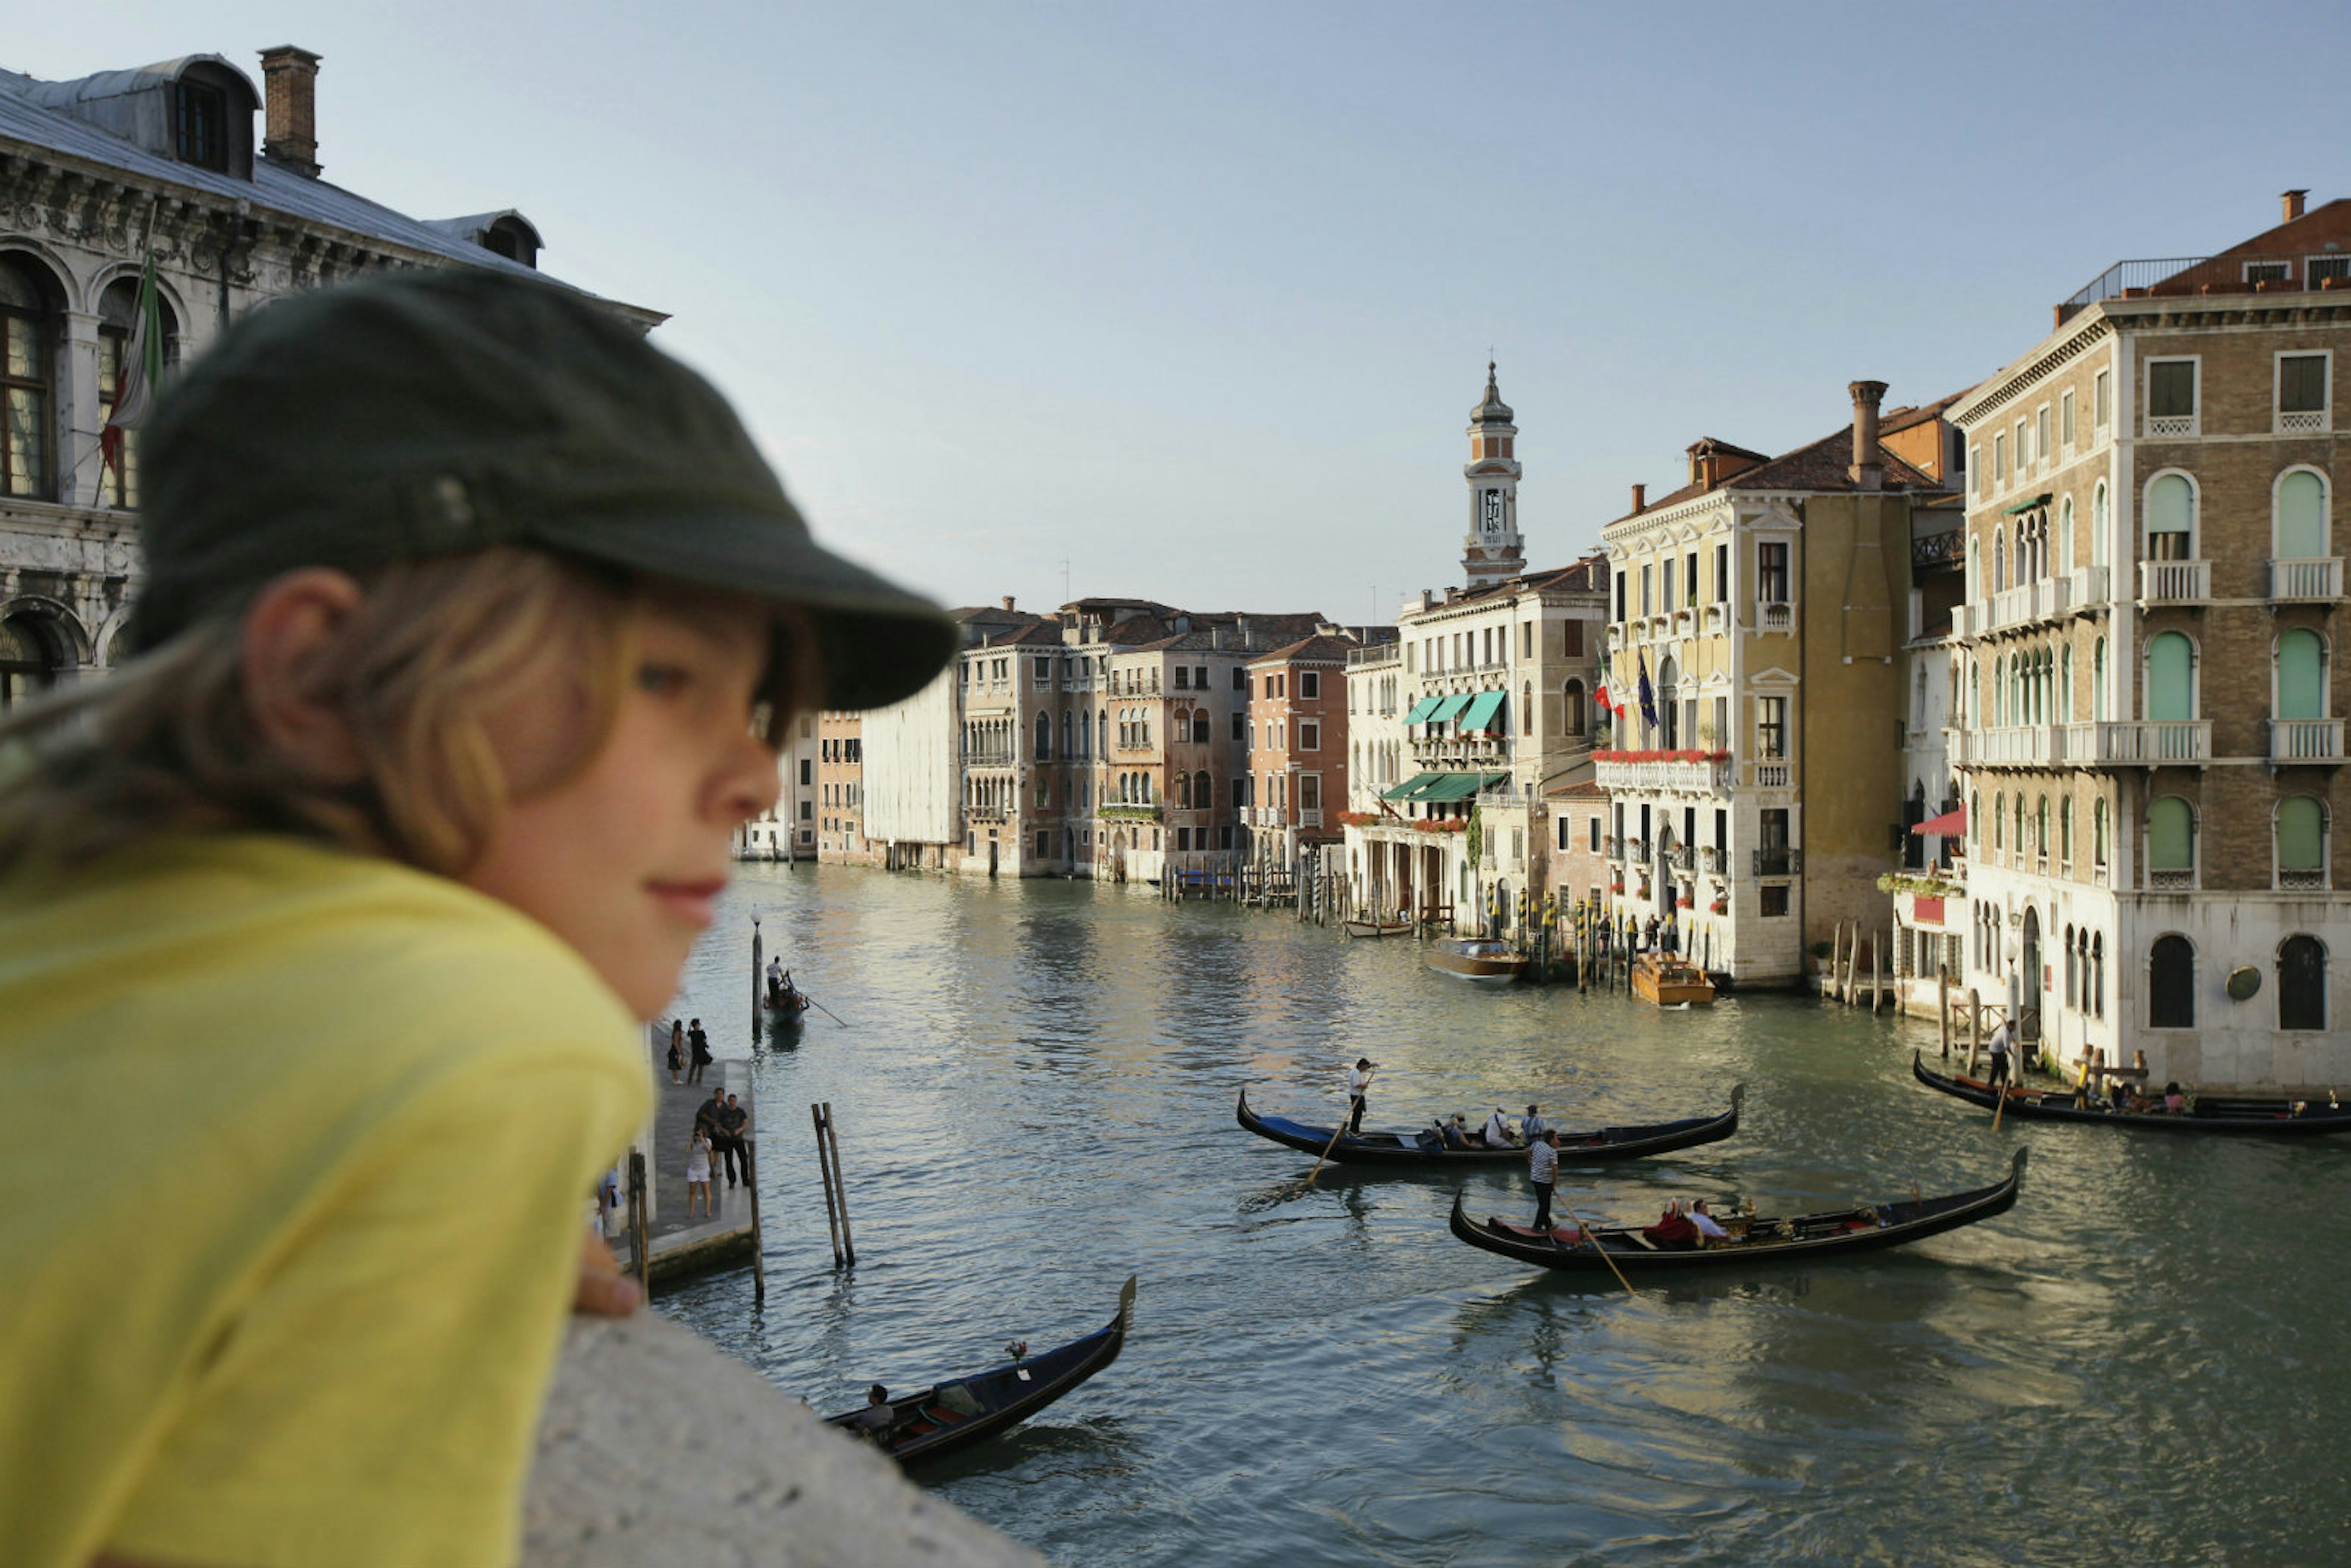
<point x="1359" y="1081"/>
<point x="1543" y="1171"/>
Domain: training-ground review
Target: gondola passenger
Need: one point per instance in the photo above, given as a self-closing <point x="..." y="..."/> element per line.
<point x="1704" y="1223"/>
<point x="1497" y="1130"/>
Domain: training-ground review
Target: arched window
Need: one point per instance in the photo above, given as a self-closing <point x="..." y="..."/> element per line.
<point x="2066" y="831"/>
<point x="1204" y="795"/>
<point x="2097" y="1003"/>
<point x="1066" y="750"/>
<point x="1574" y="703"/>
<point x="2301" y="843"/>
<point x="1999" y="559"/>
<point x="1975" y="589"/>
<point x="1668" y="709"/>
<point x="1184" y="790"/>
<point x="2098" y="835"/>
<point x="2099" y="525"/>
<point x="2301" y="503"/>
<point x="1200" y="727"/>
<point x="2170" y="519"/>
<point x="1975" y="818"/>
<point x="2301" y="675"/>
<point x="1975" y="695"/>
<point x="2098" y="682"/>
<point x="2065" y="536"/>
<point x="29" y="315"/>
<point x="2017" y="826"/>
<point x="1044" y="737"/>
<point x="26" y="666"/>
<point x="2170" y="842"/>
<point x="2066" y="686"/>
<point x="2301" y="983"/>
<point x="1999" y="819"/>
<point x="2041" y="828"/>
<point x="2171" y="984"/>
<point x="2170" y="678"/>
<point x="2073" y="977"/>
<point x="1101" y="730"/>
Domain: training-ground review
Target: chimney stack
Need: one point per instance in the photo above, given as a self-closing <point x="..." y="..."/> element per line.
<point x="1640" y="497"/>
<point x="2294" y="200"/>
<point x="291" y="119"/>
<point x="1868" y="467"/>
<point x="1008" y="602"/>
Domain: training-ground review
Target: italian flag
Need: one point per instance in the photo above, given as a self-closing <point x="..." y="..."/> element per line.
<point x="142" y="368"/>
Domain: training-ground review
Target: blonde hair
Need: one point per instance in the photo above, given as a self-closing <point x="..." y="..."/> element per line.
<point x="170" y="744"/>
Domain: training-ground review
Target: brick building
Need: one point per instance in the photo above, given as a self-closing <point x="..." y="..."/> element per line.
<point x="840" y="788"/>
<point x="2148" y="713"/>
<point x="1299" y="761"/>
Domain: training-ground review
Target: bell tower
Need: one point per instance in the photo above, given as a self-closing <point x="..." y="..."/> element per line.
<point x="1492" y="552"/>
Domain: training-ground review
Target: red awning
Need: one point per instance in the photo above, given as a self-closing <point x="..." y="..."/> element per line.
<point x="1949" y="825"/>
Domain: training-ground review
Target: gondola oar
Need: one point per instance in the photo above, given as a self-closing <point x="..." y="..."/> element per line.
<point x="1597" y="1246"/>
<point x="1335" y="1134"/>
<point x="823" y="1008"/>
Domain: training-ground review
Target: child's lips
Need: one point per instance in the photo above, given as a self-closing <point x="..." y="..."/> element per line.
<point x="695" y="902"/>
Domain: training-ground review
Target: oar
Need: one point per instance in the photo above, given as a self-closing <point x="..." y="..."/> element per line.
<point x="1594" y="1237"/>
<point x="825" y="1010"/>
<point x="1335" y="1134"/>
<point x="1999" y="1105"/>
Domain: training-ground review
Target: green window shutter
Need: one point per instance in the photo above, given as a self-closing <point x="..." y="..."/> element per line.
<point x="2301" y="518"/>
<point x="2301" y="675"/>
<point x="2170" y="505"/>
<point x="2170" y="685"/>
<point x="2170" y="846"/>
<point x="2298" y="835"/>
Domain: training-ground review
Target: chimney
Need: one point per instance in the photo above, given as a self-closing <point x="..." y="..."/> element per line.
<point x="2294" y="200"/>
<point x="1640" y="497"/>
<point x="291" y="122"/>
<point x="1008" y="602"/>
<point x="1868" y="467"/>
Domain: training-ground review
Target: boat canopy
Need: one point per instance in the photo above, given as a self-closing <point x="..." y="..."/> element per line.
<point x="1480" y="714"/>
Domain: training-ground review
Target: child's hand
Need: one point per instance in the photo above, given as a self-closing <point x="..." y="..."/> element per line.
<point x="603" y="1290"/>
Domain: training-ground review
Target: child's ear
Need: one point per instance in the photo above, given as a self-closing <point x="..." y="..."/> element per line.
<point x="293" y="634"/>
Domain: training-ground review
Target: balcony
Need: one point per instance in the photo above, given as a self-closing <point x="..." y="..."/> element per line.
<point x="1683" y="858"/>
<point x="1615" y="847"/>
<point x="1776" y="617"/>
<point x="2009" y="746"/>
<point x="1776" y="861"/>
<point x="2183" y="276"/>
<point x="2089" y="587"/>
<point x="2175" y="581"/>
<point x="1773" y="775"/>
<point x="1686" y="778"/>
<point x="2306" y="740"/>
<point x="2143" y="743"/>
<point x="2312" y="579"/>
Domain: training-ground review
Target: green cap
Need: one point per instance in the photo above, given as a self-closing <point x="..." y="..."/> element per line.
<point x="440" y="411"/>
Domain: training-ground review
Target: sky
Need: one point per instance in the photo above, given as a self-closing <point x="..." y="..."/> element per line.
<point x="1192" y="302"/>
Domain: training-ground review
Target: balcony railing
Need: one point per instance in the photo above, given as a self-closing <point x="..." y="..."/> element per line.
<point x="1772" y="775"/>
<point x="1702" y="778"/>
<point x="2009" y="746"/>
<point x="2306" y="740"/>
<point x="2089" y="586"/>
<point x="2141" y="743"/>
<point x="1777" y="862"/>
<point x="2308" y="879"/>
<point x="1776" y="617"/>
<point x="2320" y="579"/>
<point x="2171" y="880"/>
<point x="2168" y="277"/>
<point x="2175" y="581"/>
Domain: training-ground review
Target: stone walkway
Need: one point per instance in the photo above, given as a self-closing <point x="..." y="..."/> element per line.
<point x="680" y="1245"/>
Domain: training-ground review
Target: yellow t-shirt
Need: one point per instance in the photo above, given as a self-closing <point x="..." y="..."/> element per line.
<point x="295" y="1153"/>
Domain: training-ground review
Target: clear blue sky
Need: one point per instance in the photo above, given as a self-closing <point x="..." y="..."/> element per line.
<point x="1196" y="299"/>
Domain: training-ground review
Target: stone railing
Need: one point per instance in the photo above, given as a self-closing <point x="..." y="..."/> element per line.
<point x="2306" y="740"/>
<point x="2144" y="743"/>
<point x="2175" y="581"/>
<point x="1701" y="777"/>
<point x="2320" y="579"/>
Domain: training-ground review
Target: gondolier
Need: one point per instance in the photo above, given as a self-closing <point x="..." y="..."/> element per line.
<point x="1542" y="1174"/>
<point x="2001" y="1038"/>
<point x="1359" y="1081"/>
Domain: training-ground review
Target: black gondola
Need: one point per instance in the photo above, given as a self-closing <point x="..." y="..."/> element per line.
<point x="2268" y="1118"/>
<point x="790" y="1005"/>
<point x="1575" y="1148"/>
<point x="1754" y="1240"/>
<point x="956" y="1414"/>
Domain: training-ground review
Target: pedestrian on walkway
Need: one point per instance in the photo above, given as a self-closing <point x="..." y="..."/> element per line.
<point x="676" y="1049"/>
<point x="699" y="1043"/>
<point x="697" y="1172"/>
<point x="734" y="1125"/>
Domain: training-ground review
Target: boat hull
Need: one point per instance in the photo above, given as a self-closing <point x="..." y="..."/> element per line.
<point x="2312" y="1121"/>
<point x="1397" y="1150"/>
<point x="1672" y="984"/>
<point x="1607" y="1250"/>
<point x="1361" y="928"/>
<point x="1478" y="962"/>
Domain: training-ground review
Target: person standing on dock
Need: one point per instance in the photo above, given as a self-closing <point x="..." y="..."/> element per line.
<point x="733" y="1121"/>
<point x="676" y="1049"/>
<point x="1542" y="1174"/>
<point x="471" y="630"/>
<point x="1359" y="1084"/>
<point x="698" y="1043"/>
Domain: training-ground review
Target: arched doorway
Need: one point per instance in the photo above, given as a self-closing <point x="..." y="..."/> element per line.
<point x="26" y="663"/>
<point x="2028" y="1023"/>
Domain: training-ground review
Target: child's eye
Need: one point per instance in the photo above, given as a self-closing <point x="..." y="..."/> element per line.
<point x="661" y="680"/>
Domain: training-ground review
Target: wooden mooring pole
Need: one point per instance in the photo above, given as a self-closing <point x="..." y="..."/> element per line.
<point x="836" y="1195"/>
<point x="640" y="1244"/>
<point x="759" y="1239"/>
<point x="1943" y="1005"/>
<point x="758" y="993"/>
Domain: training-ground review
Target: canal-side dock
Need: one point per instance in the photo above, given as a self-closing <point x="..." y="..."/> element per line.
<point x="677" y="1246"/>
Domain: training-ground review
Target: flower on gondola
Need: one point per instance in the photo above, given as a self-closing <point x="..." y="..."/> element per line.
<point x="1017" y="1349"/>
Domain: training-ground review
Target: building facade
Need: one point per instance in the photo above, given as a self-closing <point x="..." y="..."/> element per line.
<point x="2147" y="672"/>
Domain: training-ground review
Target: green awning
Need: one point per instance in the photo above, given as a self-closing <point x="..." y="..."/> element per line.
<point x="1447" y="709"/>
<point x="1480" y="713"/>
<point x="2032" y="503"/>
<point x="1411" y="788"/>
<point x="1422" y="709"/>
<point x="1460" y="786"/>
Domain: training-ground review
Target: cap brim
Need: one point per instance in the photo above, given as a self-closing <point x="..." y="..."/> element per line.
<point x="879" y="643"/>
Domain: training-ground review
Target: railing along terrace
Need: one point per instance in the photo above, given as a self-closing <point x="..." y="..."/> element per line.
<point x="1776" y="863"/>
<point x="1945" y="549"/>
<point x="2175" y="581"/>
<point x="2319" y="579"/>
<point x="2306" y="740"/>
<point x="2167" y="277"/>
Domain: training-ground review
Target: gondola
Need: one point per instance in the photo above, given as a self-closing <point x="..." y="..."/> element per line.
<point x="790" y="1005"/>
<point x="955" y="1414"/>
<point x="1754" y="1240"/>
<point x="1575" y="1148"/>
<point x="2265" y="1118"/>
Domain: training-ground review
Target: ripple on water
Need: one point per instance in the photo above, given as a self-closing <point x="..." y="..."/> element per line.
<point x="2139" y="1364"/>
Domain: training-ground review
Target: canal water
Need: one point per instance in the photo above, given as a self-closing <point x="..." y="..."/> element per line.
<point x="2143" y="1361"/>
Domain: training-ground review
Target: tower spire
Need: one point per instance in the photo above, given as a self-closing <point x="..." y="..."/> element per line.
<point x="1492" y="551"/>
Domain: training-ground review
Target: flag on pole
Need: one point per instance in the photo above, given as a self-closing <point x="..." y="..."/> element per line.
<point x="142" y="368"/>
<point x="1606" y="706"/>
<point x="1648" y="698"/>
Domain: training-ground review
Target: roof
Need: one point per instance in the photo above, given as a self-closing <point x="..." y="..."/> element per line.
<point x="1821" y="466"/>
<point x="1587" y="789"/>
<point x="33" y="113"/>
<point x="1491" y="409"/>
<point x="1320" y="648"/>
<point x="1904" y="418"/>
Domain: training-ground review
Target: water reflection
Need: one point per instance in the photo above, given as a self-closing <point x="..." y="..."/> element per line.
<point x="2138" y="1362"/>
